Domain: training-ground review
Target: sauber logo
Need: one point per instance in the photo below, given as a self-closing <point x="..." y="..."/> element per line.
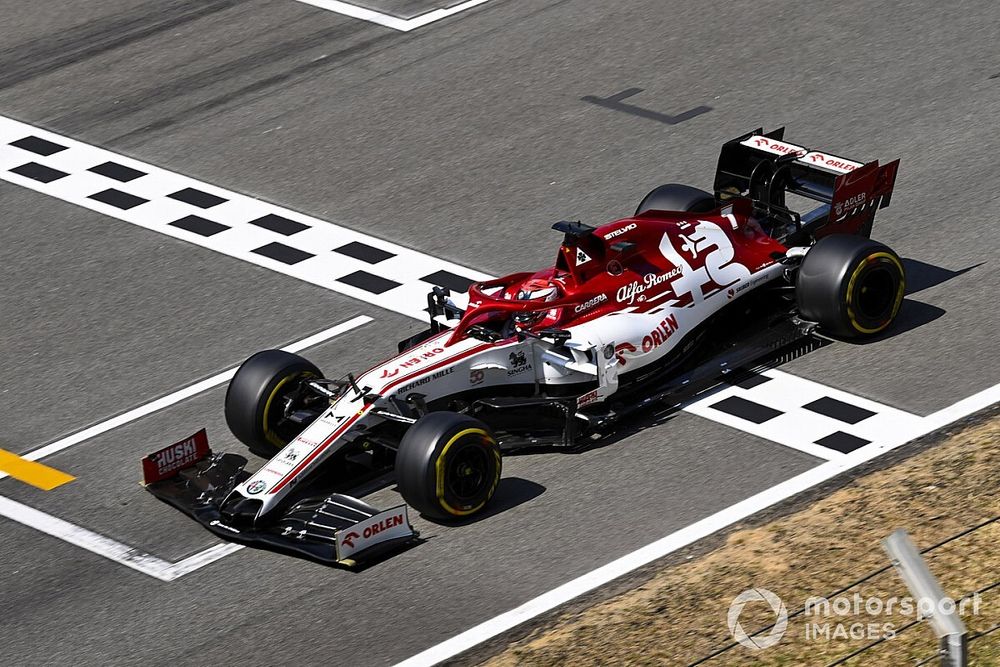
<point x="349" y="539"/>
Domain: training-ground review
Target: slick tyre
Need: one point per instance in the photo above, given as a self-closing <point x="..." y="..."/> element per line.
<point x="850" y="285"/>
<point x="677" y="197"/>
<point x="255" y="400"/>
<point x="448" y="466"/>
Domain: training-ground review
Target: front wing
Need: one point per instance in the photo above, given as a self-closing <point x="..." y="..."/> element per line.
<point x="333" y="528"/>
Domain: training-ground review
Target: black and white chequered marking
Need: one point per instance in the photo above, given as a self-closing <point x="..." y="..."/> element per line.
<point x="325" y="254"/>
<point x="803" y="414"/>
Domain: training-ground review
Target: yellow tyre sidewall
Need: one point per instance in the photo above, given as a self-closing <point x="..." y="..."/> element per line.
<point x="272" y="437"/>
<point x="881" y="257"/>
<point x="441" y="466"/>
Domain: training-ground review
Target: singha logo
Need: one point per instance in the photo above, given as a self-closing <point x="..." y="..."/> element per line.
<point x="517" y="359"/>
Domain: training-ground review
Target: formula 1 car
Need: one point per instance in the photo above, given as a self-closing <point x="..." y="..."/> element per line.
<point x="642" y="312"/>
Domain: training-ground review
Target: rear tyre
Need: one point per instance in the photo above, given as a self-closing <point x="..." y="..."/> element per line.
<point x="448" y="465"/>
<point x="850" y="285"/>
<point x="677" y="197"/>
<point x="256" y="398"/>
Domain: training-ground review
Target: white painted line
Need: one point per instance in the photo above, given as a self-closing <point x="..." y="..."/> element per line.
<point x="180" y="395"/>
<point x="338" y="258"/>
<point x="388" y="20"/>
<point x="112" y="549"/>
<point x="690" y="534"/>
<point x="86" y="539"/>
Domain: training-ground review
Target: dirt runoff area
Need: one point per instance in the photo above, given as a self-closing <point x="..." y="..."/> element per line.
<point x="678" y="615"/>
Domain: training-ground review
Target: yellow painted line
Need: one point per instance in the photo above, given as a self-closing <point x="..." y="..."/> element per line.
<point x="30" y="472"/>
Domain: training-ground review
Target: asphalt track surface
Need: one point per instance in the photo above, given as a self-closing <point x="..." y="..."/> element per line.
<point x="463" y="139"/>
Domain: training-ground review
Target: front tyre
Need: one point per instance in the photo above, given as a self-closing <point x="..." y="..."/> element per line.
<point x="850" y="285"/>
<point x="257" y="398"/>
<point x="448" y="465"/>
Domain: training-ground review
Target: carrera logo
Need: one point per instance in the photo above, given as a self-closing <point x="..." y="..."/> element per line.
<point x="660" y="334"/>
<point x="587" y="305"/>
<point x="618" y="232"/>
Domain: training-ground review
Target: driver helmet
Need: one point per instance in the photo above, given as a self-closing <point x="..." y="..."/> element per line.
<point x="536" y="289"/>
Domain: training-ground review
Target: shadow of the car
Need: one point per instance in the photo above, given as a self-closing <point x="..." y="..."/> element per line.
<point x="511" y="492"/>
<point x="921" y="275"/>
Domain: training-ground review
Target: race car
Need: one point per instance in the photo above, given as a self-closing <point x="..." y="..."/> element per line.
<point x="640" y="313"/>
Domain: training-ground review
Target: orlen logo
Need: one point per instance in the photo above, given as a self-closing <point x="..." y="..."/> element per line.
<point x="833" y="162"/>
<point x="375" y="529"/>
<point x="386" y="373"/>
<point x="660" y="334"/>
<point x="776" y="146"/>
<point x="349" y="539"/>
<point x="618" y="232"/>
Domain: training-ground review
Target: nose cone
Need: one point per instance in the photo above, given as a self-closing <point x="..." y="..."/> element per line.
<point x="240" y="510"/>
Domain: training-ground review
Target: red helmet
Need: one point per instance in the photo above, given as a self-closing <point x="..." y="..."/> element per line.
<point x="535" y="289"/>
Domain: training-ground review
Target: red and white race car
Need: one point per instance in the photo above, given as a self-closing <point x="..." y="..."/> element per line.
<point x="638" y="313"/>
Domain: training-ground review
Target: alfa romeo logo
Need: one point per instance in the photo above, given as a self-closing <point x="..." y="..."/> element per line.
<point x="759" y="641"/>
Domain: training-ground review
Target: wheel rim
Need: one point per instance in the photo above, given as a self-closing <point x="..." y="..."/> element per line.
<point x="468" y="473"/>
<point x="276" y="431"/>
<point x="876" y="294"/>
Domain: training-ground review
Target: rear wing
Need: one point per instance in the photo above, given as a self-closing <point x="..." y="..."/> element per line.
<point x="762" y="166"/>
